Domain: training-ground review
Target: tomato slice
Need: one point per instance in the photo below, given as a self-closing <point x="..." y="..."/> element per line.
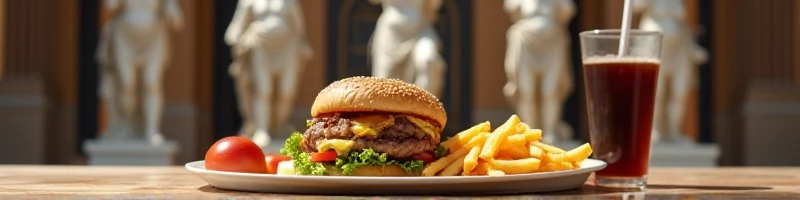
<point x="273" y="160"/>
<point x="426" y="157"/>
<point x="324" y="157"/>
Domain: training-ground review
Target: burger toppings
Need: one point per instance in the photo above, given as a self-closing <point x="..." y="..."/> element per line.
<point x="339" y="146"/>
<point x="401" y="139"/>
<point x="302" y="160"/>
<point x="324" y="156"/>
<point x="441" y="151"/>
<point x="370" y="125"/>
<point x="424" y="157"/>
<point x="312" y="163"/>
<point x="366" y="157"/>
<point x="425" y="126"/>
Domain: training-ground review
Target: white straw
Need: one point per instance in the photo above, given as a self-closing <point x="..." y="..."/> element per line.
<point x="626" y="27"/>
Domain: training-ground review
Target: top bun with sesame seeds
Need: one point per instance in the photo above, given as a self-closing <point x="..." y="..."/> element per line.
<point x="371" y="94"/>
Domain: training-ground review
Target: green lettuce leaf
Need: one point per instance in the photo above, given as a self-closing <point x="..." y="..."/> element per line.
<point x="368" y="157"/>
<point x="412" y="165"/>
<point x="441" y="151"/>
<point x="302" y="160"/>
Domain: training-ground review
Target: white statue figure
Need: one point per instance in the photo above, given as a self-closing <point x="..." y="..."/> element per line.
<point x="537" y="63"/>
<point x="679" y="57"/>
<point x="269" y="47"/>
<point x="133" y="53"/>
<point x="405" y="44"/>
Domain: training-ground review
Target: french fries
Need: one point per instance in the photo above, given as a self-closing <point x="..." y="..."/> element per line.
<point x="511" y="148"/>
<point x="498" y="136"/>
<point x="516" y="139"/>
<point x="494" y="172"/>
<point x="471" y="160"/>
<point x="533" y="135"/>
<point x="442" y="163"/>
<point x="536" y="152"/>
<point x="577" y="154"/>
<point x="547" y="148"/>
<point x="580" y="153"/>
<point x="521" y="166"/>
<point x="464" y="136"/>
<point x="514" y="151"/>
<point x="557" y="166"/>
<point x="481" y="169"/>
<point x="454" y="169"/>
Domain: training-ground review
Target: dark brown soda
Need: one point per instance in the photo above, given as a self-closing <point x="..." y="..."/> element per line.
<point x="620" y="96"/>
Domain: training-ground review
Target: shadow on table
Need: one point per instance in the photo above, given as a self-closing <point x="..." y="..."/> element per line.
<point x="212" y="189"/>
<point x="707" y="187"/>
<point x="584" y="190"/>
<point x="235" y="193"/>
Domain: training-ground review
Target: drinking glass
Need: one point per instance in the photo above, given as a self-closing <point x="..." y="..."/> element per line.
<point x="620" y="95"/>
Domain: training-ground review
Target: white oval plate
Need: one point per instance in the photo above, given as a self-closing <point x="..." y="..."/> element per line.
<point x="437" y="185"/>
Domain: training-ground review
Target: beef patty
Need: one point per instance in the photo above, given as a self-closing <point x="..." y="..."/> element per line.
<point x="400" y="140"/>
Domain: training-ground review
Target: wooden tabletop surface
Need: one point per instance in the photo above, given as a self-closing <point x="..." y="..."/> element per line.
<point x="25" y="181"/>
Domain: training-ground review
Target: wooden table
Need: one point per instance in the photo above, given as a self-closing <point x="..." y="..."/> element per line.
<point x="46" y="182"/>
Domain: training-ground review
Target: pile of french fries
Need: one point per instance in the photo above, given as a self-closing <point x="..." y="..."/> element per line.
<point x="512" y="148"/>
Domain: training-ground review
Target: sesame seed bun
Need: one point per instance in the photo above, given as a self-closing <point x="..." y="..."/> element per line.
<point x="371" y="94"/>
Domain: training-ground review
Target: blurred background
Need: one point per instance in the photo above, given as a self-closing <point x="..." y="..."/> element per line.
<point x="747" y="100"/>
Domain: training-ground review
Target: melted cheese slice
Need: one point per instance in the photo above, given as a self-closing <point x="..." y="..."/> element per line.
<point x="426" y="126"/>
<point x="370" y="125"/>
<point x="340" y="146"/>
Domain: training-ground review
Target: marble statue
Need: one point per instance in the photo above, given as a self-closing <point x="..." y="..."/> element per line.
<point x="537" y="64"/>
<point x="680" y="56"/>
<point x="132" y="54"/>
<point x="270" y="48"/>
<point x="405" y="44"/>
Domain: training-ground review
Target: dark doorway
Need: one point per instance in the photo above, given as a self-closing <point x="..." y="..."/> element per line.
<point x="88" y="32"/>
<point x="705" y="114"/>
<point x="226" y="113"/>
<point x="351" y="24"/>
<point x="572" y="111"/>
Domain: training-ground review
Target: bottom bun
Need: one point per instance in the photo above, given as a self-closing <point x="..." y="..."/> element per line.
<point x="373" y="170"/>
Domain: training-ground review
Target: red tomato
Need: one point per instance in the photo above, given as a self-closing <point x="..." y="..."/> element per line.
<point x="323" y="157"/>
<point x="236" y="154"/>
<point x="273" y="161"/>
<point x="426" y="157"/>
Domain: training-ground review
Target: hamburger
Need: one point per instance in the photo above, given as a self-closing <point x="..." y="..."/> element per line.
<point x="368" y="126"/>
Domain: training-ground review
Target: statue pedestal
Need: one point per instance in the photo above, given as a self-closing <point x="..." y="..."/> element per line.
<point x="130" y="152"/>
<point x="690" y="154"/>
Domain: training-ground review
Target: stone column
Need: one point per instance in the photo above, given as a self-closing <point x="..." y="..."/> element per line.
<point x="767" y="56"/>
<point x="2" y="35"/>
<point x="22" y="92"/>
